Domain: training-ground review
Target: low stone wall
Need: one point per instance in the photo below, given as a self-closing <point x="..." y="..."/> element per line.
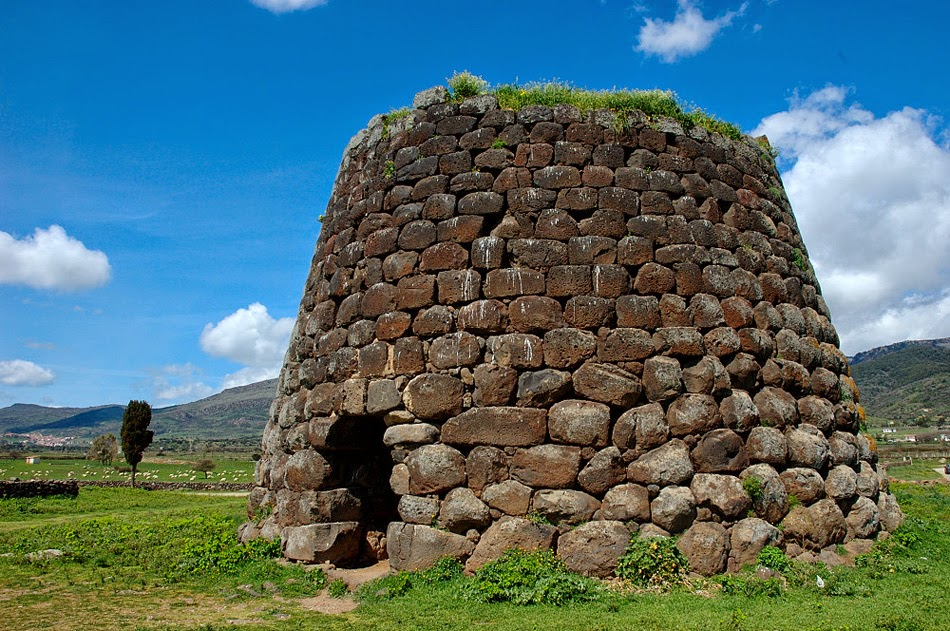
<point x="38" y="488"/>
<point x="173" y="486"/>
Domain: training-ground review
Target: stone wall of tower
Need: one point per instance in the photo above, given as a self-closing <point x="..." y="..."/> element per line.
<point x="518" y="322"/>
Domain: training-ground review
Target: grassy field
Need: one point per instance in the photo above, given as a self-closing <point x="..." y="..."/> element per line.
<point x="916" y="470"/>
<point x="167" y="560"/>
<point x="150" y="470"/>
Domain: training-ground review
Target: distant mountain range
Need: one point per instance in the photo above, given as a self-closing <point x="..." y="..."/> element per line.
<point x="905" y="381"/>
<point x="234" y="413"/>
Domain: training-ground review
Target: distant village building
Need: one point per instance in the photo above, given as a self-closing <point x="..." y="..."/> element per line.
<point x="889" y="430"/>
<point x="33" y="460"/>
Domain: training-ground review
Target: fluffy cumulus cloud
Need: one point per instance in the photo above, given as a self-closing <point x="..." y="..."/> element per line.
<point x="51" y="259"/>
<point x="179" y="382"/>
<point x="688" y="34"/>
<point x="286" y="6"/>
<point x="19" y="372"/>
<point x="250" y="337"/>
<point x="872" y="198"/>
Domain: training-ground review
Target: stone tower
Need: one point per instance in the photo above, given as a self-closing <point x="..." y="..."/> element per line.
<point x="518" y="322"/>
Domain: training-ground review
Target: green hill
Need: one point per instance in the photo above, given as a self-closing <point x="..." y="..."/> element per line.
<point x="232" y="414"/>
<point x="905" y="381"/>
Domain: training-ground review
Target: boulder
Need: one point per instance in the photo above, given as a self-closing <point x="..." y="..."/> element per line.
<point x="308" y="470"/>
<point x="723" y="494"/>
<point x="663" y="466"/>
<point x="462" y="511"/>
<point x="693" y="414"/>
<point x="803" y="483"/>
<point x="510" y="532"/>
<point x="594" y="548"/>
<point x="864" y="519"/>
<point x="565" y="506"/>
<point x="416" y="547"/>
<point x="626" y="502"/>
<point x="817" y="411"/>
<point x="890" y="512"/>
<point x="674" y="509"/>
<point x="605" y="470"/>
<point x="494" y="384"/>
<point x="662" y="378"/>
<point x="322" y="543"/>
<point x="817" y="526"/>
<point x="867" y="484"/>
<point x="510" y="497"/>
<point x="769" y="497"/>
<point x="807" y="447"/>
<point x="644" y="427"/>
<point x="412" y="433"/>
<point x="542" y="388"/>
<point x="433" y="396"/>
<point x="435" y="468"/>
<point x="843" y="449"/>
<point x="739" y="412"/>
<point x="546" y="466"/>
<point x="747" y="538"/>
<point x="707" y="376"/>
<point x="485" y="465"/>
<point x="418" y="510"/>
<point x="768" y="445"/>
<point x="577" y="422"/>
<point x="776" y="407"/>
<point x="607" y="383"/>
<point x="706" y="546"/>
<point x="499" y="426"/>
<point x="720" y="450"/>
<point x="841" y="483"/>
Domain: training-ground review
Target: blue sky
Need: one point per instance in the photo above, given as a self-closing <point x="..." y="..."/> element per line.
<point x="163" y="164"/>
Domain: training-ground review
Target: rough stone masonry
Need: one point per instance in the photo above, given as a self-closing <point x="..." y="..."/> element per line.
<point x="553" y="329"/>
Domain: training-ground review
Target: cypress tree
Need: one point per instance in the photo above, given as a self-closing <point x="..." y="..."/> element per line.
<point x="136" y="437"/>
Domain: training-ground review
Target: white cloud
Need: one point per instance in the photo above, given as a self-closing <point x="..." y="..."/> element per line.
<point x="286" y="6"/>
<point x="19" y="372"/>
<point x="247" y="375"/>
<point x="179" y="382"/>
<point x="689" y="32"/>
<point x="250" y="337"/>
<point x="872" y="198"/>
<point x="51" y="259"/>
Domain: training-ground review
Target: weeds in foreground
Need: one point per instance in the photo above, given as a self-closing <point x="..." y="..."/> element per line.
<point x="653" y="562"/>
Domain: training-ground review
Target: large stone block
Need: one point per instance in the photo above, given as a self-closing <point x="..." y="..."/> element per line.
<point x="499" y="426"/>
<point x="415" y="547"/>
<point x="322" y="543"/>
<point x="594" y="548"/>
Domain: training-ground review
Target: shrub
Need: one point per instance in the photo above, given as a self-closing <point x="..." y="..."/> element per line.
<point x="445" y="569"/>
<point x="337" y="588"/>
<point x="774" y="558"/>
<point x="653" y="562"/>
<point x="735" y="584"/>
<point x="753" y="487"/>
<point x="529" y="578"/>
<point x="465" y="84"/>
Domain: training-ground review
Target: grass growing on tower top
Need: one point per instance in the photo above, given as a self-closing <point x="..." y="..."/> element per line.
<point x="653" y="103"/>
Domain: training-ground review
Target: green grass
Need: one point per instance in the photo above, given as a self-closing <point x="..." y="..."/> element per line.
<point x="176" y="565"/>
<point x="653" y="103"/>
<point x="233" y="471"/>
<point x="93" y="502"/>
<point x="916" y="470"/>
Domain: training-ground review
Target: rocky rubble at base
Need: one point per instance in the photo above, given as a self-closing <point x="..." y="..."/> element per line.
<point x="553" y="329"/>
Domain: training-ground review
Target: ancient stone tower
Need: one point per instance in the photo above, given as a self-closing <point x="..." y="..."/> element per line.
<point x="518" y="322"/>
